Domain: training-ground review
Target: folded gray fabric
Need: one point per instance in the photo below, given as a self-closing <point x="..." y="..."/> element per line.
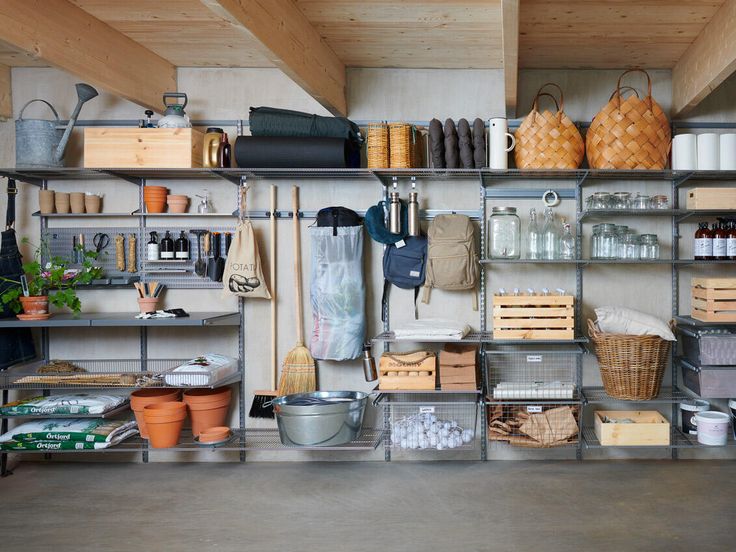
<point x="479" y="143"/>
<point x="465" y="144"/>
<point x="451" y="149"/>
<point x="437" y="144"/>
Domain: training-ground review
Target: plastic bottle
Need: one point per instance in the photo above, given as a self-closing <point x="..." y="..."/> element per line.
<point x="567" y="244"/>
<point x="720" y="237"/>
<point x="550" y="236"/>
<point x="152" y="249"/>
<point x="703" y="247"/>
<point x="167" y="247"/>
<point x="731" y="241"/>
<point x="181" y="247"/>
<point x="534" y="237"/>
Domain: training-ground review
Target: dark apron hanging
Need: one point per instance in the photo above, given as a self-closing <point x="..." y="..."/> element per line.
<point x="16" y="345"/>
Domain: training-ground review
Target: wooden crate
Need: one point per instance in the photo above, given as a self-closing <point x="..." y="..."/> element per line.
<point x="533" y="317"/>
<point x="650" y="428"/>
<point x="395" y="376"/>
<point x="713" y="299"/>
<point x="151" y="148"/>
<point x="711" y="198"/>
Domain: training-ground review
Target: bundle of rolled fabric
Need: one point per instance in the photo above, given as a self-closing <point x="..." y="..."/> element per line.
<point x="453" y="147"/>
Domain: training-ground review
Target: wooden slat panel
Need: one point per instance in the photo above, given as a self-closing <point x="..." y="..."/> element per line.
<point x="6" y="94"/>
<point x="533" y="322"/>
<point x="510" y="312"/>
<point x="715" y="283"/>
<point x="535" y="300"/>
<point x="533" y="334"/>
<point x="510" y="32"/>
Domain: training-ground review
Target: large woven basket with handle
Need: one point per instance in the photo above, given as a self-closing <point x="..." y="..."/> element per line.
<point x="632" y="366"/>
<point x="630" y="133"/>
<point x="548" y="140"/>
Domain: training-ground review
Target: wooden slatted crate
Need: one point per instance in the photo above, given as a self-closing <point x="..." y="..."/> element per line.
<point x="411" y="371"/>
<point x="533" y="317"/>
<point x="713" y="299"/>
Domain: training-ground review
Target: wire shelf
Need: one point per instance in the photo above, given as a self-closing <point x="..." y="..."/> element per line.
<point x="106" y="374"/>
<point x="595" y="395"/>
<point x="538" y="425"/>
<point x="689" y="320"/>
<point x="124" y="319"/>
<point x="472" y="337"/>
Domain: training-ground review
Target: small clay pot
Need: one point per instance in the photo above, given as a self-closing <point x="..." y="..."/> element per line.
<point x="177" y="206"/>
<point x="61" y="202"/>
<point x="207" y="407"/>
<point x="148" y="304"/>
<point x="35" y="304"/>
<point x="155" y="206"/>
<point x="214" y="434"/>
<point x="76" y="199"/>
<point x="164" y="422"/>
<point x="143" y="397"/>
<point x="92" y="203"/>
<point x="46" y="201"/>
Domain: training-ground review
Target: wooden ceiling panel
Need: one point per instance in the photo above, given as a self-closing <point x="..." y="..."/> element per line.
<point x="581" y="34"/>
<point x="185" y="32"/>
<point x="410" y="33"/>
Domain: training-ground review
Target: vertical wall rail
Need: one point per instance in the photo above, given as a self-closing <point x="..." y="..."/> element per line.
<point x="579" y="308"/>
<point x="241" y="334"/>
<point x="385" y="314"/>
<point x="483" y="325"/>
<point x="675" y="307"/>
<point x="4" y="472"/>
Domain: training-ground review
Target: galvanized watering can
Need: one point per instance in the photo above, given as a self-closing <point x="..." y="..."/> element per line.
<point x="41" y="142"/>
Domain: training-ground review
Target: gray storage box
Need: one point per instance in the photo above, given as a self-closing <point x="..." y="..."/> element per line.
<point x="709" y="382"/>
<point x="713" y="346"/>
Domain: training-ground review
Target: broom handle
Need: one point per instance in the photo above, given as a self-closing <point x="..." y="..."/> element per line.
<point x="274" y="365"/>
<point x="297" y="264"/>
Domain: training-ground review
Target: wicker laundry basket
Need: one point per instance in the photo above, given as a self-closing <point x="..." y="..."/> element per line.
<point x="631" y="366"/>
<point x="631" y="133"/>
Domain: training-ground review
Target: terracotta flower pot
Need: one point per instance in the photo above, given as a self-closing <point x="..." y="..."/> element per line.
<point x="214" y="434"/>
<point x="76" y="199"/>
<point x="207" y="407"/>
<point x="35" y="307"/>
<point x="177" y="206"/>
<point x="155" y="206"/>
<point x="92" y="203"/>
<point x="164" y="422"/>
<point x="148" y="304"/>
<point x="46" y="201"/>
<point x="143" y="397"/>
<point x="61" y="202"/>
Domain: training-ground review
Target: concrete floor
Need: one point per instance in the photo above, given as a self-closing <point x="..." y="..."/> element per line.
<point x="347" y="507"/>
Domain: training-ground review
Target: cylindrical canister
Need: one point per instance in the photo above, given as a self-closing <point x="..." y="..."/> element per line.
<point x="414" y="227"/>
<point x="394" y="214"/>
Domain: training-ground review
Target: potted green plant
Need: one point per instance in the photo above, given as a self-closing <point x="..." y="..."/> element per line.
<point x="51" y="282"/>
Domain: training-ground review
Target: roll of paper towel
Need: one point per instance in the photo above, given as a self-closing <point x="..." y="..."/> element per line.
<point x="684" y="152"/>
<point x="708" y="152"/>
<point x="727" y="157"/>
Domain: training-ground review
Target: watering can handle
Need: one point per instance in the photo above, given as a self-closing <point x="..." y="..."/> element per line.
<point x="175" y="95"/>
<point x="51" y="107"/>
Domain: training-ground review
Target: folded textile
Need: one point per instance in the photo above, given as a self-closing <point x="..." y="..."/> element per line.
<point x="90" y="430"/>
<point x="432" y="329"/>
<point x="552" y="390"/>
<point x="67" y="445"/>
<point x="202" y="370"/>
<point x="69" y="403"/>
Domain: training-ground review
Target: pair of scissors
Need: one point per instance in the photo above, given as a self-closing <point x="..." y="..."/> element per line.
<point x="101" y="241"/>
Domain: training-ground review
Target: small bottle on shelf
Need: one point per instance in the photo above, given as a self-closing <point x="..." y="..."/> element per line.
<point x="167" y="247"/>
<point x="731" y="241"/>
<point x="703" y="247"/>
<point x="534" y="237"/>
<point x="181" y="247"/>
<point x="152" y="249"/>
<point x="567" y="244"/>
<point x="720" y="236"/>
<point x="550" y="236"/>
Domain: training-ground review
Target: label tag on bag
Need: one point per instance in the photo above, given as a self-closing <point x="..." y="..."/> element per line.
<point x="399" y="244"/>
<point x="414" y="273"/>
<point x="534" y="409"/>
<point x="534" y="358"/>
<point x="426" y="409"/>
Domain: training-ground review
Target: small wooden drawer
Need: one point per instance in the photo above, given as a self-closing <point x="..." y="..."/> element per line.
<point x="650" y="428"/>
<point x="713" y="299"/>
<point x="711" y="198"/>
<point x="151" y="148"/>
<point x="550" y="317"/>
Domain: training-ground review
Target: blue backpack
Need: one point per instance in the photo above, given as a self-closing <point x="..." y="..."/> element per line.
<point x="404" y="267"/>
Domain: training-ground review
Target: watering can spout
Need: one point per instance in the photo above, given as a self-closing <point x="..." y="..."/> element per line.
<point x="85" y="92"/>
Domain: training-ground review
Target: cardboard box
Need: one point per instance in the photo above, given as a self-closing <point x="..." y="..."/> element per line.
<point x="150" y="148"/>
<point x="650" y="428"/>
<point x="711" y="198"/>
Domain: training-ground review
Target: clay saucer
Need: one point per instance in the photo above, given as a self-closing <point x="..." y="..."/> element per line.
<point x="45" y="316"/>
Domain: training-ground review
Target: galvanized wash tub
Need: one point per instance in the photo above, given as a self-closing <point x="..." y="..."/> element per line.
<point x="320" y="419"/>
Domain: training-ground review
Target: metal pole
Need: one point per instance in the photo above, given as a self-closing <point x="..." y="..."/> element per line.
<point x="483" y="325"/>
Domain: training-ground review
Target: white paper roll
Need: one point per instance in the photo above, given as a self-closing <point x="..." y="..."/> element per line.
<point x="684" y="152"/>
<point x="727" y="157"/>
<point x="708" y="152"/>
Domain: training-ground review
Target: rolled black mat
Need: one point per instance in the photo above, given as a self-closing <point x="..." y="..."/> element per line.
<point x="282" y="152"/>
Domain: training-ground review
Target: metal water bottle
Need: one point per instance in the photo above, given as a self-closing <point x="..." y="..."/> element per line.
<point x="394" y="214"/>
<point x="369" y="363"/>
<point x="414" y="228"/>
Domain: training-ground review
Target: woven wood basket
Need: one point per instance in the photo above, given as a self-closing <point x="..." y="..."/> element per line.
<point x="402" y="142"/>
<point x="548" y="140"/>
<point x="631" y="133"/>
<point x="378" y="146"/>
<point x="631" y="366"/>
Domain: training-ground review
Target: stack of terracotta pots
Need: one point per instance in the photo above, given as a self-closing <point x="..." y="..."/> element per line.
<point x="164" y="422"/>
<point x="155" y="198"/>
<point x="208" y="408"/>
<point x="143" y="397"/>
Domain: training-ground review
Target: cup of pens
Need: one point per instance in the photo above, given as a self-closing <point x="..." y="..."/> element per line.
<point x="148" y="295"/>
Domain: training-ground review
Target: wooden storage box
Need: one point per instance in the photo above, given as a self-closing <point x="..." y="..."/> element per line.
<point x="150" y="148"/>
<point x="711" y="198"/>
<point x="412" y="371"/>
<point x="650" y="428"/>
<point x="713" y="299"/>
<point x="534" y="317"/>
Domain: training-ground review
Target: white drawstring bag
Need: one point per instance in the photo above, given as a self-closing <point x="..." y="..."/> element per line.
<point x="243" y="274"/>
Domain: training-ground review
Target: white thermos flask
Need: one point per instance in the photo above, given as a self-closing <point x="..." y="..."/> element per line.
<point x="498" y="143"/>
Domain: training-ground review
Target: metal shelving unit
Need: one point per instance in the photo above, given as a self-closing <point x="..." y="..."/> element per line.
<point x="667" y="395"/>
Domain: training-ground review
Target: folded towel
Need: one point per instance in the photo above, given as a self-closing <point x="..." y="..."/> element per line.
<point x="432" y="329"/>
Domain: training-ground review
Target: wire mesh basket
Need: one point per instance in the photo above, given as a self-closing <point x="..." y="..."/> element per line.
<point x="541" y="425"/>
<point x="433" y="422"/>
<point x="548" y="374"/>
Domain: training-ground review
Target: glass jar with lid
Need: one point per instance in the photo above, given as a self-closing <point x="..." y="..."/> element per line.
<point x="599" y="200"/>
<point x="629" y="246"/>
<point x="621" y="200"/>
<point x="504" y="230"/>
<point x="608" y="242"/>
<point x="649" y="249"/>
<point x="659" y="202"/>
<point x="640" y="202"/>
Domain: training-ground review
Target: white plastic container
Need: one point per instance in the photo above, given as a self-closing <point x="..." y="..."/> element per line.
<point x="712" y="427"/>
<point x="732" y="407"/>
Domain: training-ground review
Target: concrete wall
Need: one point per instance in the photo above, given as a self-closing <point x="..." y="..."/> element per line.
<point x="373" y="94"/>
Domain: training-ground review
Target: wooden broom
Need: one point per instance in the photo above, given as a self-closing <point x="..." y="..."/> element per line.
<point x="262" y="407"/>
<point x="298" y="374"/>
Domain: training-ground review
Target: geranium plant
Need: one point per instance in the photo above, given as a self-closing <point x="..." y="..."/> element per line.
<point x="53" y="278"/>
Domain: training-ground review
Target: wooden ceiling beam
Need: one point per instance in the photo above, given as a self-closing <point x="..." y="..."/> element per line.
<point x="510" y="33"/>
<point x="6" y="95"/>
<point x="707" y="62"/>
<point x="69" y="38"/>
<point x="291" y="43"/>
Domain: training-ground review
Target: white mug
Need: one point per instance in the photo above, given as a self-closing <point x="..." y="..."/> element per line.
<point x="684" y="152"/>
<point x="708" y="151"/>
<point x="498" y="143"/>
<point x="727" y="157"/>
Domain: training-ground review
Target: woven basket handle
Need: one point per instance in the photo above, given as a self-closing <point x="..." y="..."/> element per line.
<point x="634" y="90"/>
<point x="560" y="105"/>
<point x="592" y="330"/>
<point x="535" y="107"/>
<point x="649" y="86"/>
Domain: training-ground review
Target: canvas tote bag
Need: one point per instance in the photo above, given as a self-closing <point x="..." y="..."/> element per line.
<point x="243" y="274"/>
